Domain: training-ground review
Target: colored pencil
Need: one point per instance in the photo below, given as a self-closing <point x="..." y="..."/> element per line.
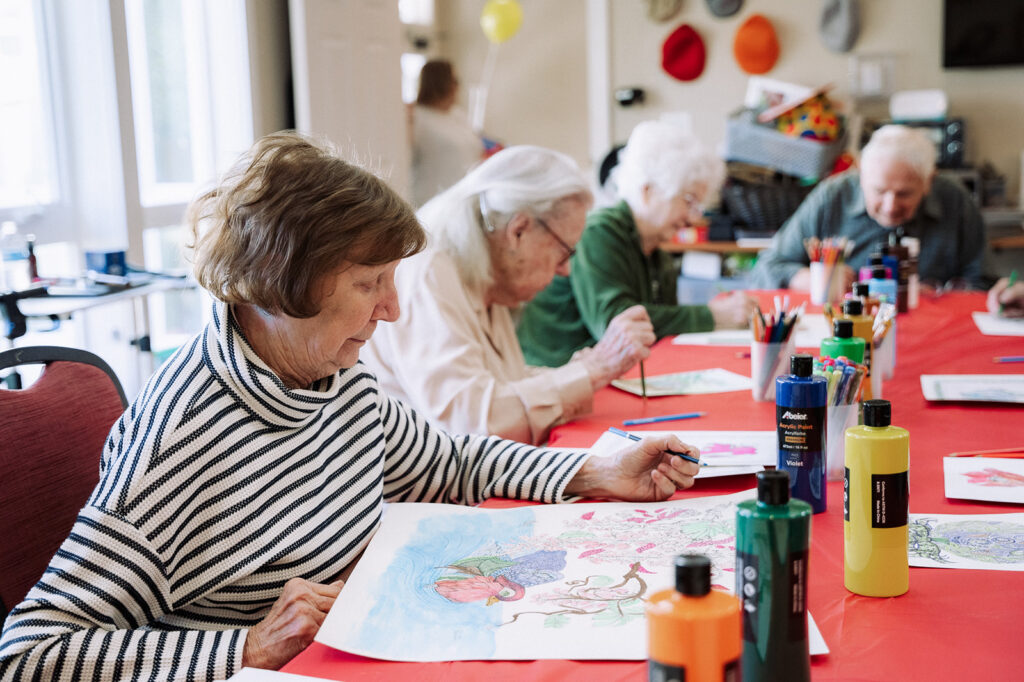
<point x="632" y="436"/>
<point x="1008" y="358"/>
<point x="663" y="418"/>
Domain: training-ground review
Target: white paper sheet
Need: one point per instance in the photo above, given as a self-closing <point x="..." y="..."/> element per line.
<point x="1000" y="388"/>
<point x="993" y="325"/>
<point x="441" y="582"/>
<point x="746" y="451"/>
<point x="992" y="542"/>
<point x="811" y="328"/>
<point x="700" y="381"/>
<point x="994" y="479"/>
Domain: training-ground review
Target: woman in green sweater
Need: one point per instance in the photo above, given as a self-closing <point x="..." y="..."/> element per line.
<point x="663" y="179"/>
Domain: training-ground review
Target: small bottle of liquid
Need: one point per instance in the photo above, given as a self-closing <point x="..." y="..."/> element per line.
<point x="879" y="285"/>
<point x="33" y="266"/>
<point x="853" y="310"/>
<point x="875" y="259"/>
<point x="773" y="537"/>
<point x="693" y="632"/>
<point x="843" y="343"/>
<point x="902" y="255"/>
<point x="800" y="417"/>
<point x="876" y="501"/>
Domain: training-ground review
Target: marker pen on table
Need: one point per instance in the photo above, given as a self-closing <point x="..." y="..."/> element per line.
<point x="632" y="436"/>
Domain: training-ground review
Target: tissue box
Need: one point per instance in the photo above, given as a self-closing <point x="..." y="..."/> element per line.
<point x="107" y="262"/>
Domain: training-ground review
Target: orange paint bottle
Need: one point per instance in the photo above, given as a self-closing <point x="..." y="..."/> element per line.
<point x="693" y="632"/>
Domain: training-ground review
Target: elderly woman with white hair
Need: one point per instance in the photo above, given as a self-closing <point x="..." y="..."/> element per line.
<point x="497" y="238"/>
<point x="896" y="187"/>
<point x="664" y="176"/>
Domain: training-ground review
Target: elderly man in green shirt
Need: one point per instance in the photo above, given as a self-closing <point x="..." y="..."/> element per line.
<point x="895" y="187"/>
<point x="663" y="178"/>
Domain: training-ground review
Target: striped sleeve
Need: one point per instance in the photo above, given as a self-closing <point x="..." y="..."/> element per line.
<point x="86" y="618"/>
<point x="423" y="464"/>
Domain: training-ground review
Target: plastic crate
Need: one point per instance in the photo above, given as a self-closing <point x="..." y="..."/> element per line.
<point x="747" y="140"/>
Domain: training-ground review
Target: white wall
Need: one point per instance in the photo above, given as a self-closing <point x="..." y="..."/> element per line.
<point x="539" y="94"/>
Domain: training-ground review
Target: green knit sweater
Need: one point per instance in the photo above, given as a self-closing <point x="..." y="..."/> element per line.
<point x="608" y="274"/>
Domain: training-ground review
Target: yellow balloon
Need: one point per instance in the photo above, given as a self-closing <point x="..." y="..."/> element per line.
<point x="501" y="19"/>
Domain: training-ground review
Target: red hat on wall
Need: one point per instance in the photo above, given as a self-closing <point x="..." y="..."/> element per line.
<point x="756" y="46"/>
<point x="683" y="54"/>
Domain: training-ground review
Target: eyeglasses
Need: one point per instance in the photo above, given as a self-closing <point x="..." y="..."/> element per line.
<point x="695" y="205"/>
<point x="569" y="250"/>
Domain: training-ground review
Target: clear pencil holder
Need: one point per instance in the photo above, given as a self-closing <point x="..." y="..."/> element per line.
<point x="840" y="418"/>
<point x="768" y="361"/>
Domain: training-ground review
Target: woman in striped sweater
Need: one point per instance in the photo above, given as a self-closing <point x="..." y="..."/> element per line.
<point x="252" y="468"/>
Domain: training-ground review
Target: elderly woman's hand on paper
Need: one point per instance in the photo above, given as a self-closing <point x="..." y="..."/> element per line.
<point x="647" y="472"/>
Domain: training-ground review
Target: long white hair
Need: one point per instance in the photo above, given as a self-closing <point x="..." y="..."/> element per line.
<point x="521" y="179"/>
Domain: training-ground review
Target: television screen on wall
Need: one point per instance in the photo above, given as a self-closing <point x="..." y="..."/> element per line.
<point x="983" y="33"/>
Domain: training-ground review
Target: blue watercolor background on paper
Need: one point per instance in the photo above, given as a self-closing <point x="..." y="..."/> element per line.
<point x="433" y="627"/>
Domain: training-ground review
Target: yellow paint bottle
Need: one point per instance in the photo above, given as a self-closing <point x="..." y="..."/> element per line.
<point x="876" y="499"/>
<point x="853" y="310"/>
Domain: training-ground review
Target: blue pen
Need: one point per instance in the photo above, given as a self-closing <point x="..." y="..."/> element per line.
<point x="631" y="436"/>
<point x="663" y="418"/>
<point x="1009" y="358"/>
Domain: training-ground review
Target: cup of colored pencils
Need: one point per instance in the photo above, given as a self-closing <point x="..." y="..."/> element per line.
<point x="773" y="343"/>
<point x="827" y="256"/>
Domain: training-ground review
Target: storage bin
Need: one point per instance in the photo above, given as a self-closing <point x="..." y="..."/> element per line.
<point x="747" y="140"/>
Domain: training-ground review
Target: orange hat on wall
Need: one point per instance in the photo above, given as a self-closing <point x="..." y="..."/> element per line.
<point x="756" y="46"/>
<point x="683" y="54"/>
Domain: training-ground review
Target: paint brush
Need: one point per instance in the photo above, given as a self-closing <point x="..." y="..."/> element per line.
<point x="633" y="436"/>
<point x="643" y="383"/>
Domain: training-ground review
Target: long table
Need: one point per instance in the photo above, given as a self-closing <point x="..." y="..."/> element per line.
<point x="951" y="625"/>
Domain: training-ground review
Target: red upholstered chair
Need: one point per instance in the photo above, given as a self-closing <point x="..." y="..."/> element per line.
<point x="51" y="438"/>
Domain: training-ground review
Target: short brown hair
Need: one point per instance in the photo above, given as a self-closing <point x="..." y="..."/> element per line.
<point x="437" y="80"/>
<point x="289" y="212"/>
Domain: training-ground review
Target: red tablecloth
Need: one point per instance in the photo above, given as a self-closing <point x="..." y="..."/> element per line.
<point x="952" y="624"/>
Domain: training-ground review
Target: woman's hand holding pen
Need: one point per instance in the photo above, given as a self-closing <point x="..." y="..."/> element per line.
<point x="646" y="472"/>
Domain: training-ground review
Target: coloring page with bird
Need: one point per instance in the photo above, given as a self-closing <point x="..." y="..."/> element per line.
<point x="441" y="582"/>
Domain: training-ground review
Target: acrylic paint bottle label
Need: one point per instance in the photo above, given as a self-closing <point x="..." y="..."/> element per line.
<point x="802" y="440"/>
<point x="890" y="500"/>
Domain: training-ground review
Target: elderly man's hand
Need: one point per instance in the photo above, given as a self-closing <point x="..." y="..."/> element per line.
<point x="732" y="310"/>
<point x="626" y="342"/>
<point x="1006" y="300"/>
<point x="647" y="472"/>
<point x="293" y="621"/>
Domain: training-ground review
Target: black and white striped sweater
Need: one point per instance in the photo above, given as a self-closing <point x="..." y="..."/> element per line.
<point x="217" y="486"/>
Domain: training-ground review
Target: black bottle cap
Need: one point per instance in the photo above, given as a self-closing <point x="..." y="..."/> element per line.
<point x="861" y="289"/>
<point x="853" y="306"/>
<point x="877" y="413"/>
<point x="773" y="486"/>
<point x="883" y="248"/>
<point x="875" y="259"/>
<point x="693" y="574"/>
<point x="801" y="364"/>
<point x="878" y="272"/>
<point x="842" y="329"/>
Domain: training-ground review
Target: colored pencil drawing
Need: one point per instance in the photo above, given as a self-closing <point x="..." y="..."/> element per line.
<point x="991" y="477"/>
<point x="992" y="541"/>
<point x="440" y="582"/>
<point x="717" y="448"/>
<point x="715" y="380"/>
<point x="994" y="479"/>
